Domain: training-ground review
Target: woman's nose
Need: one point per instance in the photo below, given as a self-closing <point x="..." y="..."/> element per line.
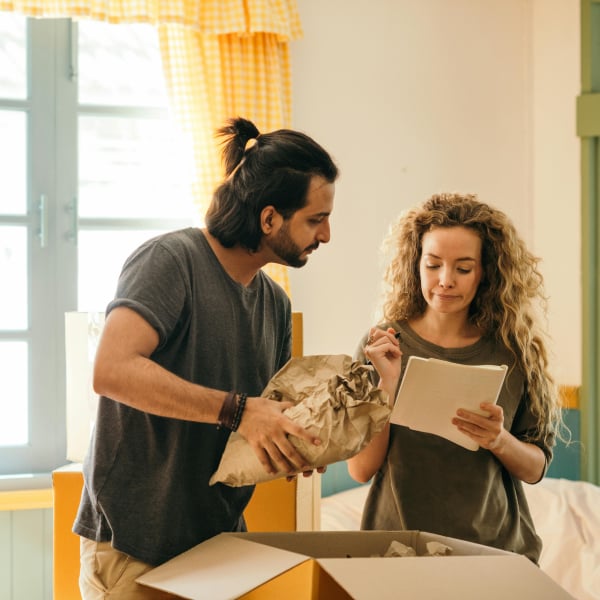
<point x="446" y="279"/>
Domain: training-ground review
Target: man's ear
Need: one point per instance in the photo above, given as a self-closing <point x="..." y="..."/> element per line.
<point x="269" y="220"/>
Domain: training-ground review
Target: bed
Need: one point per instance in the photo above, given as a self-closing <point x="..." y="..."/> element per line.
<point x="567" y="518"/>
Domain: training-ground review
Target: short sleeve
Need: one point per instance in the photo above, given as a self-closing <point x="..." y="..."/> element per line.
<point x="153" y="284"/>
<point x="526" y="429"/>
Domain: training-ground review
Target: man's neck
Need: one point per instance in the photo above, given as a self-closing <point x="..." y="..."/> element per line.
<point x="239" y="263"/>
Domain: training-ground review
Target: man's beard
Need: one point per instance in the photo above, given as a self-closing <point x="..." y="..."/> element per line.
<point x="287" y="250"/>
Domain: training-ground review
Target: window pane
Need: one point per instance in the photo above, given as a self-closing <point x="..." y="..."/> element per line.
<point x="120" y="65"/>
<point x="12" y="159"/>
<point x="133" y="168"/>
<point x="13" y="394"/>
<point x="13" y="57"/>
<point x="101" y="257"/>
<point x="13" y="266"/>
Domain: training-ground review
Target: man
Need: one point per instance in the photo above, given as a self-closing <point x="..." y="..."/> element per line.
<point x="195" y="332"/>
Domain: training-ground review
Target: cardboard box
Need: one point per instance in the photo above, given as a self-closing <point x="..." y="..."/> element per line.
<point x="347" y="565"/>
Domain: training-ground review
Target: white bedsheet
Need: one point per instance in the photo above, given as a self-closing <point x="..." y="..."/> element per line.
<point x="567" y="518"/>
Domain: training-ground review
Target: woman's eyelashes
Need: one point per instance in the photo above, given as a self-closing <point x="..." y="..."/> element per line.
<point x="461" y="270"/>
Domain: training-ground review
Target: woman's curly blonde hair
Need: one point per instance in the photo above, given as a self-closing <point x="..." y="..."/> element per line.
<point x="505" y="304"/>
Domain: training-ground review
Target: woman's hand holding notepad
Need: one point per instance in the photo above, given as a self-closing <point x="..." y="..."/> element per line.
<point x="432" y="390"/>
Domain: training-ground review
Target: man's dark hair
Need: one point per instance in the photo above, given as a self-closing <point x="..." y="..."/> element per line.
<point x="271" y="169"/>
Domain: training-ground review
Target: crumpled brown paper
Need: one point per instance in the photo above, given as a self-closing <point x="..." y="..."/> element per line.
<point x="434" y="548"/>
<point x="335" y="400"/>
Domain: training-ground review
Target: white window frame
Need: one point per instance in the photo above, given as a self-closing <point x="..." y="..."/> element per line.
<point x="52" y="112"/>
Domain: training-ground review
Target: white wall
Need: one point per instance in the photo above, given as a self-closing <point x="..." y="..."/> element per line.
<point x="556" y="172"/>
<point x="416" y="97"/>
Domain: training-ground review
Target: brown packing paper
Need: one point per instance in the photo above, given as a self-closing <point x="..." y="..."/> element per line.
<point x="334" y="398"/>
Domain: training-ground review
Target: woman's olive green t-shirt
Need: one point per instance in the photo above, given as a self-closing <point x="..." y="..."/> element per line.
<point x="431" y="484"/>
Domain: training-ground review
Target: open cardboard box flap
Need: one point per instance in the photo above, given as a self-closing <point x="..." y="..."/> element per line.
<point x="222" y="568"/>
<point x="232" y="564"/>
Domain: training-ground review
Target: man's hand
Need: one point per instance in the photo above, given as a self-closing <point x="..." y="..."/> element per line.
<point x="266" y="429"/>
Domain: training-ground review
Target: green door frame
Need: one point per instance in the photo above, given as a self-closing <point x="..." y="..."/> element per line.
<point x="588" y="129"/>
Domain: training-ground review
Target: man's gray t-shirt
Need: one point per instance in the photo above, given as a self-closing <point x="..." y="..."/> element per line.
<point x="146" y="477"/>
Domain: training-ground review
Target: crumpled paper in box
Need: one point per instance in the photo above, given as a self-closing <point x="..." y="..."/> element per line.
<point x="335" y="399"/>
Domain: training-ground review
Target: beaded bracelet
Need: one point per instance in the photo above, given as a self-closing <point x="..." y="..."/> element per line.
<point x="232" y="410"/>
<point x="241" y="405"/>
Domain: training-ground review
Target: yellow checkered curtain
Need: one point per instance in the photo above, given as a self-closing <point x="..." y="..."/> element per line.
<point x="214" y="77"/>
<point x="222" y="58"/>
<point x="208" y="16"/>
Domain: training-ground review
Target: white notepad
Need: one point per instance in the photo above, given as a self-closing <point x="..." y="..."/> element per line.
<point x="432" y="390"/>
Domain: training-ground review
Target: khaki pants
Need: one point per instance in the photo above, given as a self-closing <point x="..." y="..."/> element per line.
<point x="107" y="574"/>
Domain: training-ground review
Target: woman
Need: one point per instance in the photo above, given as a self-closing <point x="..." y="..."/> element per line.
<point x="462" y="287"/>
